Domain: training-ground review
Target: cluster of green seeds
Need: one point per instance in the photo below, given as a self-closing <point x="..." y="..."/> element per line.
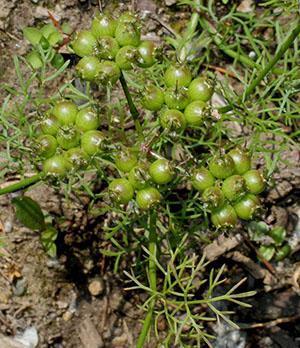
<point x="69" y="139"/>
<point x="183" y="102"/>
<point x="48" y="38"/>
<point x="229" y="187"/>
<point x="140" y="178"/>
<point x="111" y="46"/>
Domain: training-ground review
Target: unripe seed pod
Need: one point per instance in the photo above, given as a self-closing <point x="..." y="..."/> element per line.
<point x="213" y="197"/>
<point x="148" y="198"/>
<point x="234" y="187"/>
<point x="176" y="98"/>
<point x="247" y="206"/>
<point x="224" y="217"/>
<point x="121" y="191"/>
<point x="221" y="167"/>
<point x="241" y="159"/>
<point x="202" y="179"/>
<point x="255" y="182"/>
<point x="89" y="68"/>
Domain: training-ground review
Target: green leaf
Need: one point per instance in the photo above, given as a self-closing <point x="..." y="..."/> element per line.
<point x="48" y="238"/>
<point x="33" y="35"/>
<point x="29" y="213"/>
<point x="257" y="230"/>
<point x="49" y="234"/>
<point x="278" y="234"/>
<point x="283" y="252"/>
<point x="267" y="251"/>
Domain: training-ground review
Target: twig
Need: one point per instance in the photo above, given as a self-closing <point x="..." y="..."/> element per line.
<point x="266" y="263"/>
<point x="165" y="25"/>
<point x="221" y="70"/>
<point x="133" y="110"/>
<point x="152" y="279"/>
<point x="271" y="323"/>
<point x="262" y="74"/>
<point x="21" y="184"/>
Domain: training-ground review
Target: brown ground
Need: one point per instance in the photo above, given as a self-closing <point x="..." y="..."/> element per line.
<point x="53" y="295"/>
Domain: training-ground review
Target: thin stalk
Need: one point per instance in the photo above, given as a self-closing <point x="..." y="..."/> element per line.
<point x="21" y="184"/>
<point x="262" y="74"/>
<point x="229" y="52"/>
<point x="132" y="108"/>
<point x="152" y="279"/>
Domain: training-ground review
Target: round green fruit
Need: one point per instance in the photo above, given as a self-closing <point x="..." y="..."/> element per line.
<point x="65" y="111"/>
<point x="247" y="206"/>
<point x="84" y="43"/>
<point x="173" y="120"/>
<point x="201" y="89"/>
<point x="224" y="217"/>
<point x="148" y="198"/>
<point x="234" y="187"/>
<point x="68" y="137"/>
<point x="146" y="51"/>
<point x="103" y="25"/>
<point x="125" y="161"/>
<point x="195" y="113"/>
<point x="121" y="191"/>
<point x="128" y="34"/>
<point x="89" y="68"/>
<point x="221" y="167"/>
<point x="87" y="119"/>
<point x="255" y="182"/>
<point x="56" y="166"/>
<point x="161" y="171"/>
<point x="153" y="98"/>
<point x="213" y="197"/>
<point x="108" y="48"/>
<point x="177" y="76"/>
<point x="77" y="158"/>
<point x="176" y="98"/>
<point x="241" y="159"/>
<point x="92" y="142"/>
<point x="109" y="72"/>
<point x="49" y="125"/>
<point x="139" y="176"/>
<point x="126" y="57"/>
<point x="202" y="179"/>
<point x="46" y="145"/>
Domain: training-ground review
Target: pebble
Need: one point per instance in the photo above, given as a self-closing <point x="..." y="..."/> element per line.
<point x="20" y="287"/>
<point x="67" y="315"/>
<point x="96" y="287"/>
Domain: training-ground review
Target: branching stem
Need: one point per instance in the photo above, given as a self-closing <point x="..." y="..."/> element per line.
<point x="262" y="73"/>
<point x="152" y="279"/>
<point x="21" y="184"/>
<point x="132" y="108"/>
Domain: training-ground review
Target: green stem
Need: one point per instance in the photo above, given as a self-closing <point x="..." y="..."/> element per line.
<point x="152" y="279"/>
<point x="229" y="52"/>
<point x="21" y="184"/>
<point x="133" y="110"/>
<point x="262" y="74"/>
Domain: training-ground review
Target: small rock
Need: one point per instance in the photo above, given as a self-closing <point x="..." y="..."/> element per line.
<point x="20" y="287"/>
<point x="120" y="341"/>
<point x="8" y="226"/>
<point x="96" y="287"/>
<point x="67" y="316"/>
<point x="29" y="338"/>
<point x="62" y="304"/>
<point x="170" y="2"/>
<point x="245" y="6"/>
